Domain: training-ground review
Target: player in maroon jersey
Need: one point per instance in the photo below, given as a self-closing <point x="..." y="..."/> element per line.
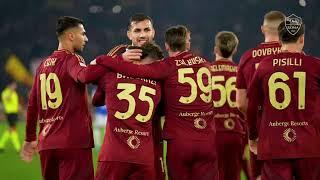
<point x="287" y="85"/>
<point x="140" y="30"/>
<point x="58" y="102"/>
<point x="127" y="151"/>
<point x="189" y="126"/>
<point x="228" y="119"/>
<point x="248" y="64"/>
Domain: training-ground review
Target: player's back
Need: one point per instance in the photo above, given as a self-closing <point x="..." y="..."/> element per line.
<point x="131" y="106"/>
<point x="63" y="113"/>
<point x="188" y="100"/>
<point x="291" y="86"/>
<point x="251" y="59"/>
<point x="226" y="114"/>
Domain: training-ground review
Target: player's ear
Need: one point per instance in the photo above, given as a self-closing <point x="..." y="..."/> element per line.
<point x="70" y="35"/>
<point x="301" y="39"/>
<point x="167" y="47"/>
<point x="215" y="50"/>
<point x="129" y="35"/>
<point x="153" y="32"/>
<point x="262" y="29"/>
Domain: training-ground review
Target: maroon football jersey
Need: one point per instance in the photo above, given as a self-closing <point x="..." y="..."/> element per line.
<point x="187" y="93"/>
<point x="117" y="50"/>
<point x="287" y="86"/>
<point x="58" y="102"/>
<point x="250" y="61"/>
<point x="226" y="114"/>
<point x="131" y="105"/>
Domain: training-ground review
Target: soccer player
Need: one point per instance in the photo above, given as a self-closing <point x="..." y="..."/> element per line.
<point x="228" y="119"/>
<point x="287" y="85"/>
<point x="248" y="64"/>
<point x="10" y="101"/>
<point x="140" y="30"/>
<point x="189" y="126"/>
<point x="58" y="102"/>
<point x="128" y="150"/>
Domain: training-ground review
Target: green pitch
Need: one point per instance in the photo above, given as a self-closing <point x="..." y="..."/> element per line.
<point x="12" y="168"/>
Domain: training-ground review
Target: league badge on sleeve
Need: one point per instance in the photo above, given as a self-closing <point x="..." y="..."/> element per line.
<point x="293" y="24"/>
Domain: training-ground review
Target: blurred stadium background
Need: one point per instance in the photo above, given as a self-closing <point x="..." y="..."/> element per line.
<point x="27" y="33"/>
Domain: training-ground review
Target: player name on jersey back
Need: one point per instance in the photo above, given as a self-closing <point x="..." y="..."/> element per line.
<point x="265" y="51"/>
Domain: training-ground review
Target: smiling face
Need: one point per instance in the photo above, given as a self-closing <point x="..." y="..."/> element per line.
<point x="141" y="32"/>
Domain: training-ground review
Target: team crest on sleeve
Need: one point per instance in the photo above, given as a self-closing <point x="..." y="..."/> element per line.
<point x="293" y="24"/>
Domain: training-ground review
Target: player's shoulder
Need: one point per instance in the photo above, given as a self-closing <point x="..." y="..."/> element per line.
<point x="117" y="50"/>
<point x="246" y="56"/>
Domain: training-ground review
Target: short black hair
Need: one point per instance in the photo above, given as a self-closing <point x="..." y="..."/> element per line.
<point x="176" y="37"/>
<point x="138" y="18"/>
<point x="66" y="22"/>
<point x="152" y="50"/>
<point x="287" y="37"/>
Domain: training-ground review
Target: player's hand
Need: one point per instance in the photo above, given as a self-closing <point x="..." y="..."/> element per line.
<point x="28" y="149"/>
<point x="132" y="55"/>
<point x="253" y="146"/>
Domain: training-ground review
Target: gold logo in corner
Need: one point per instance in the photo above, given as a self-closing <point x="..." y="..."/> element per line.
<point x="200" y="123"/>
<point x="289" y="135"/>
<point x="133" y="142"/>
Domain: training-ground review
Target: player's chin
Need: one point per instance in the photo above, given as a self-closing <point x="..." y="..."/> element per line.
<point x="79" y="49"/>
<point x="140" y="43"/>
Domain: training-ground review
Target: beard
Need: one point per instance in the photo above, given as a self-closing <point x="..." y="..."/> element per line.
<point x="78" y="50"/>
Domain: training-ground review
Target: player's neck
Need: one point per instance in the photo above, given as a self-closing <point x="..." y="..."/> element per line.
<point x="65" y="46"/>
<point x="171" y="53"/>
<point x="291" y="47"/>
<point x="220" y="58"/>
<point x="271" y="38"/>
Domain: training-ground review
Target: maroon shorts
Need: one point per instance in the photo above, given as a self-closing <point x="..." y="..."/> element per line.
<point x="112" y="170"/>
<point x="67" y="164"/>
<point x="192" y="160"/>
<point x="230" y="151"/>
<point x="289" y="169"/>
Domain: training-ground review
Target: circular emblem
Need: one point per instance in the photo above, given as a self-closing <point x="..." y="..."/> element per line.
<point x="289" y="135"/>
<point x="200" y="123"/>
<point x="133" y="142"/>
<point x="229" y="124"/>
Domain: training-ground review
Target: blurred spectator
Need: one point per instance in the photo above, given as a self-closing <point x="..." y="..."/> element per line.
<point x="10" y="103"/>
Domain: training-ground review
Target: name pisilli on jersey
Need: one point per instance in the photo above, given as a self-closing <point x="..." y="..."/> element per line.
<point x="287" y="86"/>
